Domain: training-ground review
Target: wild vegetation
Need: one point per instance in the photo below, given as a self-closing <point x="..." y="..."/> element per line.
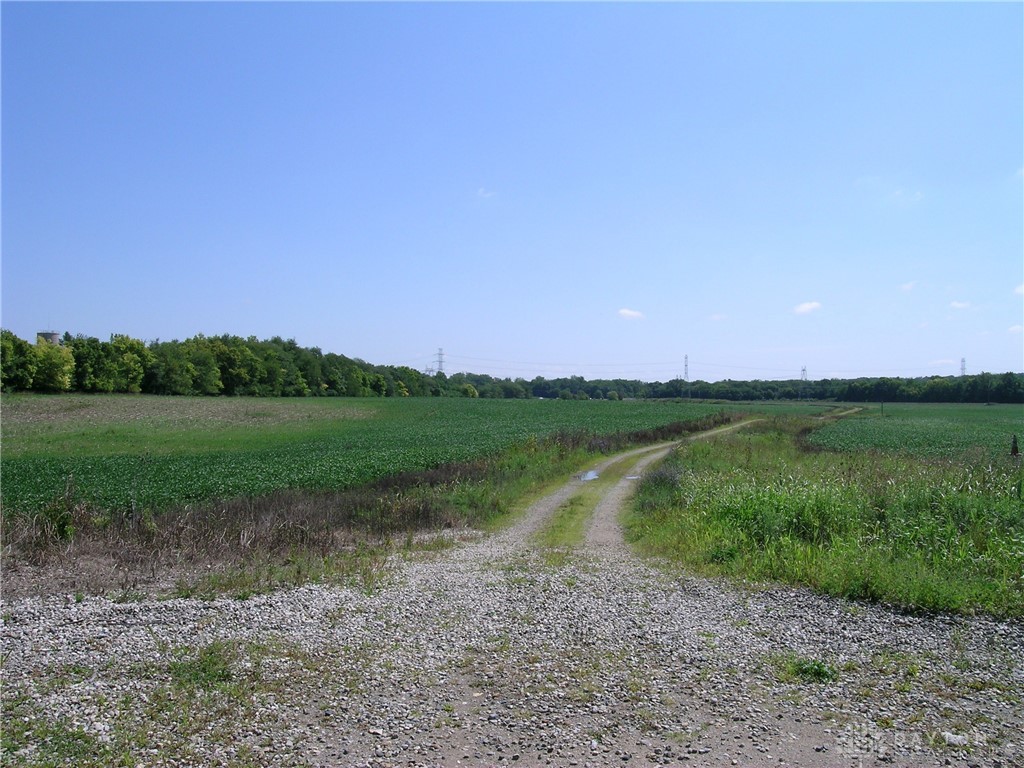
<point x="873" y="517"/>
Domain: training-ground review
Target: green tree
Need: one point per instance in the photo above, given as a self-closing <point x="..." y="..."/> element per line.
<point x="271" y="370"/>
<point x="439" y="385"/>
<point x="378" y="385"/>
<point x="206" y="380"/>
<point x="412" y="379"/>
<point x="55" y="367"/>
<point x="95" y="368"/>
<point x="17" y="362"/>
<point x="979" y="388"/>
<point x="310" y="365"/>
<point x="512" y="389"/>
<point x="1009" y="388"/>
<point x="130" y="358"/>
<point x="242" y="371"/>
<point x="172" y="373"/>
<point x="356" y="384"/>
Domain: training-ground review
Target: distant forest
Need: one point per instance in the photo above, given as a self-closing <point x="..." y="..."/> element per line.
<point x="233" y="366"/>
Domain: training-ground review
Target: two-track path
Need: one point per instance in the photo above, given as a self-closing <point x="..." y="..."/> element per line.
<point x="495" y="653"/>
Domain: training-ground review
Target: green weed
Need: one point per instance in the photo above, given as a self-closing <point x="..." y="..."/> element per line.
<point x="791" y="668"/>
<point x="209" y="668"/>
<point x="931" y="534"/>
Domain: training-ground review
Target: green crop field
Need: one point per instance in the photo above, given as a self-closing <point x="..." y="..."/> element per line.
<point x="929" y="431"/>
<point x="158" y="452"/>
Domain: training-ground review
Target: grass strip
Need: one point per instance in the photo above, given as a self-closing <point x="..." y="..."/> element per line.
<point x="568" y="526"/>
<point x="922" y="534"/>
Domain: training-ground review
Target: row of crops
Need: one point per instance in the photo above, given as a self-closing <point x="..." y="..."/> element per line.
<point x="119" y="451"/>
<point x="178" y="450"/>
<point x="927" y="431"/>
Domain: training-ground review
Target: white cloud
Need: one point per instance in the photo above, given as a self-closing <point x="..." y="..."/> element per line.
<point x="807" y="307"/>
<point x="906" y="196"/>
<point x="908" y="287"/>
<point x="1016" y="329"/>
<point x="960" y="304"/>
<point x="889" y="191"/>
<point x="630" y="314"/>
<point x="485" y="193"/>
<point x="717" y="317"/>
<point x="1019" y="290"/>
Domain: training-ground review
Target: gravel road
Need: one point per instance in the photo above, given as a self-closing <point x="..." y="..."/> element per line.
<point x="496" y="653"/>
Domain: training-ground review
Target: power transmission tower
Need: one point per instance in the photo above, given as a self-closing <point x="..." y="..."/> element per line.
<point x="803" y="381"/>
<point x="440" y="360"/>
<point x="686" y="373"/>
<point x="963" y="366"/>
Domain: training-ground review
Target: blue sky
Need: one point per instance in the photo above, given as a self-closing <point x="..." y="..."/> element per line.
<point x="539" y="189"/>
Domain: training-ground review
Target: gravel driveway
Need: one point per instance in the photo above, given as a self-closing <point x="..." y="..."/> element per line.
<point x="496" y="653"/>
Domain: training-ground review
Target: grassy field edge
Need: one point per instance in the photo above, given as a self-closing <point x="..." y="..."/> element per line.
<point x="764" y="505"/>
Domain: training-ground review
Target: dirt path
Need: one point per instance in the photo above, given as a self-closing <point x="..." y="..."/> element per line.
<point x="518" y="535"/>
<point x="606" y="661"/>
<point x="492" y="654"/>
<point x="605" y="534"/>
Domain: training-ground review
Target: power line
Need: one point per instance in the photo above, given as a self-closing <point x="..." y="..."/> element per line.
<point x="565" y="364"/>
<point x="622" y="369"/>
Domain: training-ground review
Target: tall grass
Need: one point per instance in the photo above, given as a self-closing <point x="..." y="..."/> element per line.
<point x="933" y="535"/>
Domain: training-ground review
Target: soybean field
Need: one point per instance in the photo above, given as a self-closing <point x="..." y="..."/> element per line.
<point x="942" y="431"/>
<point x="119" y="452"/>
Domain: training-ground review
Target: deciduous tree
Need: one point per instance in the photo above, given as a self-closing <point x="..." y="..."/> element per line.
<point x="55" y="367"/>
<point x="17" y="362"/>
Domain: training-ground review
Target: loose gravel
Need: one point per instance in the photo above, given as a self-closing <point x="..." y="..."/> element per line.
<point x="495" y="654"/>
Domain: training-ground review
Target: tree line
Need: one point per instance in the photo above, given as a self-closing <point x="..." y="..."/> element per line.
<point x="276" y="367"/>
